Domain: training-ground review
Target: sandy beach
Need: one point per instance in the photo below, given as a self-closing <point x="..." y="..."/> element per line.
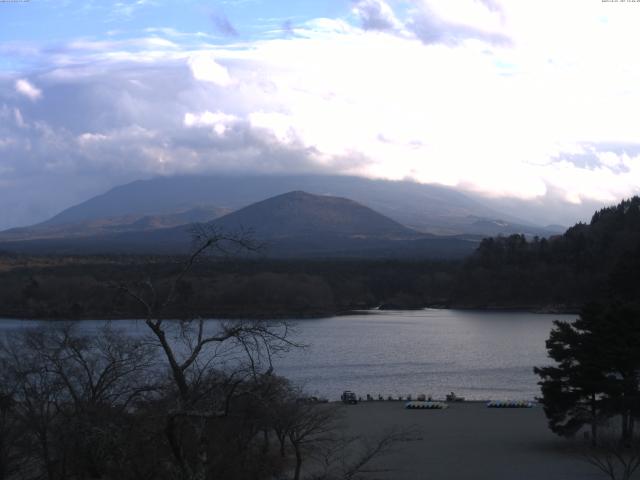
<point x="469" y="441"/>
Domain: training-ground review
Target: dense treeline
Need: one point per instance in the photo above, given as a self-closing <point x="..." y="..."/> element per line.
<point x="599" y="260"/>
<point x="84" y="287"/>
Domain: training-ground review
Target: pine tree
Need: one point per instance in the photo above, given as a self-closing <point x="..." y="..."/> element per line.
<point x="597" y="369"/>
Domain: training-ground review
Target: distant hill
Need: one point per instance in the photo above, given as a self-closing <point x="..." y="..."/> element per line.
<point x="427" y="208"/>
<point x="295" y="224"/>
<point x="112" y="225"/>
<point x="300" y="214"/>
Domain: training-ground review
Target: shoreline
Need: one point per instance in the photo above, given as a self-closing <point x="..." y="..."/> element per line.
<point x="546" y="310"/>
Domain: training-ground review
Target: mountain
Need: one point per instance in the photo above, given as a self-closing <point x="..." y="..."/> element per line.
<point x="427" y="208"/>
<point x="302" y="214"/>
<point x="295" y="224"/>
<point x="116" y="224"/>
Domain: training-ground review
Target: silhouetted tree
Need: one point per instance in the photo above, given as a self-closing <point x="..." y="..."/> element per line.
<point x="192" y="350"/>
<point x="597" y="371"/>
<point x="70" y="396"/>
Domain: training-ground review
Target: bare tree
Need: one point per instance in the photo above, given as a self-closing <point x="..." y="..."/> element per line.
<point x="617" y="459"/>
<point x="315" y="433"/>
<point x="36" y="393"/>
<point x="355" y="457"/>
<point x="196" y="351"/>
<point x="71" y="393"/>
<point x="309" y="427"/>
<point x="10" y="434"/>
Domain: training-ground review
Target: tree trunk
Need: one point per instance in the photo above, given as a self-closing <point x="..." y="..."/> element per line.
<point x="174" y="443"/>
<point x="4" y="467"/>
<point x="625" y="428"/>
<point x="296" y="475"/>
<point x="46" y="456"/>
<point x="594" y="421"/>
<point x="282" y="439"/>
<point x="178" y="373"/>
<point x="265" y="445"/>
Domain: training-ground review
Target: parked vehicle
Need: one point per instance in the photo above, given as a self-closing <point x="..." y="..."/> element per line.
<point x="452" y="397"/>
<point x="349" y="397"/>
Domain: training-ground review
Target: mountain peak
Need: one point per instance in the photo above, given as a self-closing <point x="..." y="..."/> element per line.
<point x="300" y="213"/>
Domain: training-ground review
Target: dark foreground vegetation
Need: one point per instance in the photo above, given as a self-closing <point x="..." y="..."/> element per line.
<point x="166" y="406"/>
<point x="596" y="261"/>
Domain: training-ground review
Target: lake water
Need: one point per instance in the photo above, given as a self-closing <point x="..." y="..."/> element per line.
<point x="478" y="355"/>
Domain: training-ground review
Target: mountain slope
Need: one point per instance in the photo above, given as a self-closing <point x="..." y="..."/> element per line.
<point x="427" y="208"/>
<point x="300" y="213"/>
<point x="113" y="225"/>
<point x="296" y="224"/>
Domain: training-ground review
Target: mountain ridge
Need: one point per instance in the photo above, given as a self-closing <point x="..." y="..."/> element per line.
<point x="292" y="225"/>
<point x="427" y="208"/>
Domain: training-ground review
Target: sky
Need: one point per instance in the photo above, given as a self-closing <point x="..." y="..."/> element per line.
<point x="521" y="101"/>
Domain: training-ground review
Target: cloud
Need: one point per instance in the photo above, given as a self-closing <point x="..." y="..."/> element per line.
<point x="288" y="28"/>
<point x="26" y="88"/>
<point x="437" y="22"/>
<point x="18" y="118"/>
<point x="221" y="122"/>
<point x="127" y="8"/>
<point x="457" y="22"/>
<point x="206" y="69"/>
<point x="223" y="25"/>
<point x="208" y="118"/>
<point x="375" y="15"/>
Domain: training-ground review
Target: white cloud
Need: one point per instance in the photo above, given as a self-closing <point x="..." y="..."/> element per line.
<point x="206" y="69"/>
<point x="89" y="138"/>
<point x="26" y="88"/>
<point x="452" y="23"/>
<point x="221" y="122"/>
<point x="208" y="118"/>
<point x="18" y="118"/>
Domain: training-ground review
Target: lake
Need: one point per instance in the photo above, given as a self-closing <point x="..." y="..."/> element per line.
<point x="476" y="354"/>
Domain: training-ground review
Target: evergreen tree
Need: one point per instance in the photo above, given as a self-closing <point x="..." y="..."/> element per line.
<point x="597" y="371"/>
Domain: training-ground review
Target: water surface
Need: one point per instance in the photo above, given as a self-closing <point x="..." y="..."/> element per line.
<point x="479" y="355"/>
